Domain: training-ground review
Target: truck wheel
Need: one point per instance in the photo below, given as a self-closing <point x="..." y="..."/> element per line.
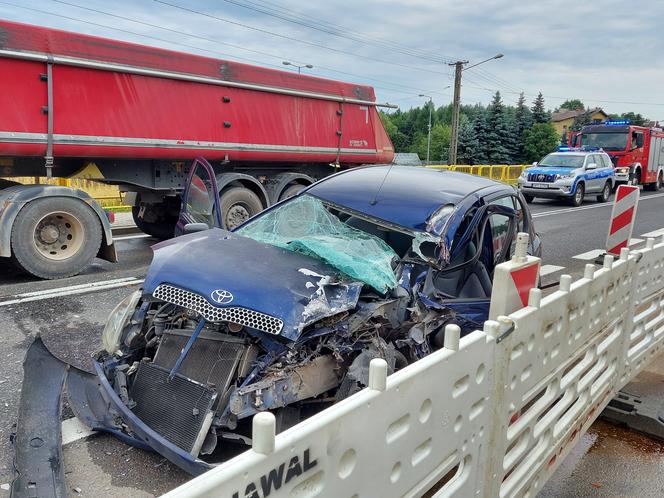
<point x="291" y="191"/>
<point x="606" y="193"/>
<point x="162" y="229"/>
<point x="635" y="179"/>
<point x="655" y="186"/>
<point x="55" y="237"/>
<point x="529" y="198"/>
<point x="238" y="204"/>
<point x="577" y="198"/>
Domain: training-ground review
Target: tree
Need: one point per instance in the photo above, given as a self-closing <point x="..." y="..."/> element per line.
<point x="572" y="105"/>
<point x="481" y="129"/>
<point x="541" y="139"/>
<point x="399" y="140"/>
<point x="539" y="112"/>
<point x="523" y="120"/>
<point x="499" y="140"/>
<point x="440" y="143"/>
<point x="581" y="120"/>
<point x="469" y="145"/>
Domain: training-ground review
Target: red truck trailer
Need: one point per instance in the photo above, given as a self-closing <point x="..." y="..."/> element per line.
<point x="140" y="115"/>
<point x="637" y="152"/>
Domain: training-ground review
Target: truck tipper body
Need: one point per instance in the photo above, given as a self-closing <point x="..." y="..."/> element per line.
<point x="637" y="152"/>
<point x="136" y="116"/>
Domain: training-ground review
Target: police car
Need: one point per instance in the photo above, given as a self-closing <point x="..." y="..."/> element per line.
<point x="570" y="173"/>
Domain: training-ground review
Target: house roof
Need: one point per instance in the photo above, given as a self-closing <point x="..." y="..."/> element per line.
<point x="563" y="115"/>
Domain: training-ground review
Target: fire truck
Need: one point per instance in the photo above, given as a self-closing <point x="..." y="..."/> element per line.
<point x="136" y="117"/>
<point x="637" y="152"/>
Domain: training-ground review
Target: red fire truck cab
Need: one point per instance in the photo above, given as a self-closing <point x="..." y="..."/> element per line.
<point x="637" y="152"/>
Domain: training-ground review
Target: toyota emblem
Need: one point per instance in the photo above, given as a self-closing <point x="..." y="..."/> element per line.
<point x="221" y="296"/>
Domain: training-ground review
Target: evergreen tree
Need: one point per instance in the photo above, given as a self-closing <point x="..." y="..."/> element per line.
<point x="580" y="121"/>
<point x="523" y="121"/>
<point x="481" y="129"/>
<point x="539" y="112"/>
<point x="498" y="139"/>
<point x="541" y="139"/>
<point x="468" y="148"/>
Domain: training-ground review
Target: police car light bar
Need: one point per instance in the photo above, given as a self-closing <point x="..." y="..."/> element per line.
<point x="617" y="123"/>
<point x="585" y="148"/>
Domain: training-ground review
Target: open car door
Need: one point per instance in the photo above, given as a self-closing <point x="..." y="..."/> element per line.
<point x="200" y="200"/>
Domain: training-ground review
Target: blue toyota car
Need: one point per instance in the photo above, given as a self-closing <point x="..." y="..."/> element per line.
<point x="285" y="312"/>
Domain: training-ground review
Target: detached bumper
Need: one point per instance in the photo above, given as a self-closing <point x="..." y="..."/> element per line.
<point x="38" y="439"/>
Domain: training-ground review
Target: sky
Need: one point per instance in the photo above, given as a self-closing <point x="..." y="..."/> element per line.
<point x="606" y="53"/>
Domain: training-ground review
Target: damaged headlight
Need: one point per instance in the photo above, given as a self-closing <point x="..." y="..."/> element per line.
<point x="110" y="338"/>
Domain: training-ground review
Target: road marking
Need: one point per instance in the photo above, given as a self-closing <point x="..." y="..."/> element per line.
<point x="549" y="269"/>
<point x="72" y="290"/>
<point x="73" y="430"/>
<point x="653" y="234"/>
<point x="587" y="256"/>
<point x="583" y="208"/>
<point x="127" y="237"/>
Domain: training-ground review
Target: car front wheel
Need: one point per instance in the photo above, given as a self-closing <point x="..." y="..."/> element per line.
<point x="577" y="198"/>
<point x="529" y="198"/>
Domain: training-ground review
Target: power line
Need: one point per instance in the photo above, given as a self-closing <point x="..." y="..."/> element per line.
<point x="291" y="38"/>
<point x="297" y="18"/>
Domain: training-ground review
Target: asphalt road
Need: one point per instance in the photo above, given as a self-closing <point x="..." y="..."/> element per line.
<point x="70" y="316"/>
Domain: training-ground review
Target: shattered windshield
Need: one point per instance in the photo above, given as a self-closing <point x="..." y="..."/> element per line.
<point x="305" y="225"/>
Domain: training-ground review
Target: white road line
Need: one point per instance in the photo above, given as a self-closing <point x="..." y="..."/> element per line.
<point x="127" y="237"/>
<point x="587" y="256"/>
<point x="654" y="233"/>
<point x="70" y="291"/>
<point x="58" y="290"/>
<point x="73" y="430"/>
<point x="596" y="206"/>
<point x="549" y="269"/>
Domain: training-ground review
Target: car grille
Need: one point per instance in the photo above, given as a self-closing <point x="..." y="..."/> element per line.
<point x="541" y="177"/>
<point x="179" y="409"/>
<point x="196" y="302"/>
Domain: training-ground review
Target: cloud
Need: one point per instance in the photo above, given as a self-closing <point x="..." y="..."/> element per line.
<point x="597" y="51"/>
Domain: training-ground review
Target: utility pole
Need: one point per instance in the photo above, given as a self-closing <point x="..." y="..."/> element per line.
<point x="456" y="103"/>
<point x="429" y="138"/>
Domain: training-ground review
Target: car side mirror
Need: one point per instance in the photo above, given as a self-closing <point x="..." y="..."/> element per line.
<point x="591" y="166"/>
<point x="195" y="227"/>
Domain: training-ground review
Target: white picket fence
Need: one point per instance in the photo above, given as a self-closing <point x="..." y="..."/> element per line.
<point x="490" y="415"/>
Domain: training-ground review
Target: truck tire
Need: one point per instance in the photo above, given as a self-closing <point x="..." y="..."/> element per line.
<point x="162" y="229"/>
<point x="55" y="237"/>
<point x="238" y="204"/>
<point x="577" y="198"/>
<point x="657" y="185"/>
<point x="529" y="198"/>
<point x="606" y="193"/>
<point x="635" y="178"/>
<point x="290" y="191"/>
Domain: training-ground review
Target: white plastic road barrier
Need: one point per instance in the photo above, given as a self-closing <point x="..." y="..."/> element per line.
<point x="491" y="414"/>
<point x="513" y="280"/>
<point x="623" y="215"/>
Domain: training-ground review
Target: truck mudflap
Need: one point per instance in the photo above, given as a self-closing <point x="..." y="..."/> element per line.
<point x="38" y="440"/>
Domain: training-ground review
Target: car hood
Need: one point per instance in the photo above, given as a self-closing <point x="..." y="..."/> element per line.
<point x="551" y="170"/>
<point x="297" y="289"/>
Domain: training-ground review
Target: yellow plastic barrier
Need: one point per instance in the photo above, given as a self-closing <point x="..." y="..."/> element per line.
<point x="507" y="173"/>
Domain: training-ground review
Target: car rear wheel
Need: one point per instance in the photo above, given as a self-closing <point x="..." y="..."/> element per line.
<point x="577" y="198"/>
<point x="238" y="204"/>
<point x="606" y="193"/>
<point x="529" y="198"/>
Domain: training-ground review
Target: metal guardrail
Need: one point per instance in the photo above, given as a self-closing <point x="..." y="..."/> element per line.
<point x="492" y="414"/>
<point x="507" y="173"/>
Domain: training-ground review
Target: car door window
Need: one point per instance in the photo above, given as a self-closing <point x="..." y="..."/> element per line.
<point x="200" y="197"/>
<point x="607" y="161"/>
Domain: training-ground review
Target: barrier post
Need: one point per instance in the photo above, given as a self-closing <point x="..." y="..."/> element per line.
<point x="623" y="215"/>
<point x="512" y="280"/>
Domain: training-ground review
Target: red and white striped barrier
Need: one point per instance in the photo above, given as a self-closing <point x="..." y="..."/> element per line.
<point x="622" y="218"/>
<point x="513" y="280"/>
